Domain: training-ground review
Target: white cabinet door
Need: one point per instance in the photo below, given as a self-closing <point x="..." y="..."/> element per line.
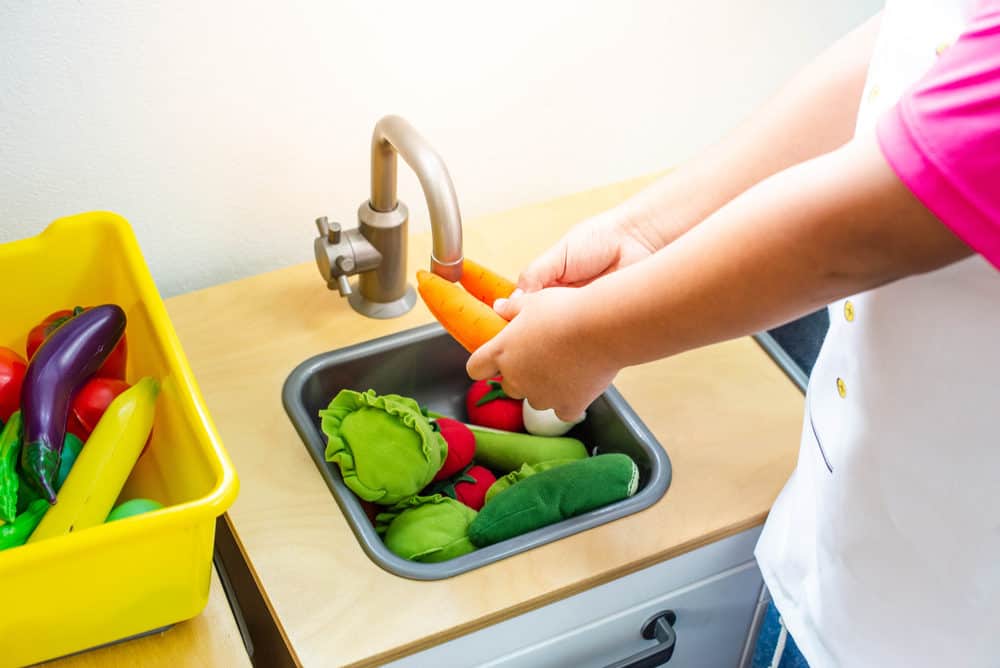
<point x="713" y="592"/>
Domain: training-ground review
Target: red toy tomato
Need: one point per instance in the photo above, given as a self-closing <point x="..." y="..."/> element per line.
<point x="90" y="403"/>
<point x="488" y="406"/>
<point x="12" y="368"/>
<point x="461" y="447"/>
<point x="114" y="365"/>
<point x="471" y="486"/>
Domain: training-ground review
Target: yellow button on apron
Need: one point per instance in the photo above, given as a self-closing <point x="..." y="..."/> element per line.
<point x="942" y="47"/>
<point x="848" y="311"/>
<point x="841" y="387"/>
<point x="873" y="93"/>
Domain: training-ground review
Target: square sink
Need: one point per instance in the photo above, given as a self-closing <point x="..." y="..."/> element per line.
<point x="428" y="365"/>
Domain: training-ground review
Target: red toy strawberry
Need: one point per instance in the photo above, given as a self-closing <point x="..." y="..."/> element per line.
<point x="488" y="406"/>
<point x="469" y="486"/>
<point x="461" y="447"/>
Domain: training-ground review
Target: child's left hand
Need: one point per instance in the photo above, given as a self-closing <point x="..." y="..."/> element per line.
<point x="546" y="352"/>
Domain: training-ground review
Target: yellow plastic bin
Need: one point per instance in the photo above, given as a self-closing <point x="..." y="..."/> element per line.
<point x="116" y="580"/>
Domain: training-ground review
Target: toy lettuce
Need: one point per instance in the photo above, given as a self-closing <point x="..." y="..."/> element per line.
<point x="427" y="528"/>
<point x="385" y="447"/>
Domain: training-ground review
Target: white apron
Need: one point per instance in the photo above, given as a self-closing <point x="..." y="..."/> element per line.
<point x="883" y="549"/>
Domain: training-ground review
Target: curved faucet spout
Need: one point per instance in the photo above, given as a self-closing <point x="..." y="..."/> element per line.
<point x="394" y="135"/>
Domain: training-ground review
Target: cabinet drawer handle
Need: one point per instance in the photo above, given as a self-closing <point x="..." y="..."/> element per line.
<point x="661" y="627"/>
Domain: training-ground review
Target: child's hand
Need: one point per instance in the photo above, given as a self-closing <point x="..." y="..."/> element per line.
<point x="592" y="248"/>
<point x="545" y="353"/>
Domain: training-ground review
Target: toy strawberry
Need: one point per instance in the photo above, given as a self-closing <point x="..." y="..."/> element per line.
<point x="488" y="406"/>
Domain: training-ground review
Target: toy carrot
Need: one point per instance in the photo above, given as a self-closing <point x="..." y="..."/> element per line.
<point x="485" y="285"/>
<point x="471" y="322"/>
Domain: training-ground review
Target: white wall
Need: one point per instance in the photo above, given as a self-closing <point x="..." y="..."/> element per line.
<point x="221" y="129"/>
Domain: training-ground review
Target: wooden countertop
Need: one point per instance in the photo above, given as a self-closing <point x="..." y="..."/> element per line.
<point x="727" y="416"/>
<point x="210" y="639"/>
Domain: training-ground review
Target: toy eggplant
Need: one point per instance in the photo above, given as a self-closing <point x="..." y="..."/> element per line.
<point x="57" y="371"/>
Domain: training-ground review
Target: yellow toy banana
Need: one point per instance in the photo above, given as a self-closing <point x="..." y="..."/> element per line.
<point x="104" y="464"/>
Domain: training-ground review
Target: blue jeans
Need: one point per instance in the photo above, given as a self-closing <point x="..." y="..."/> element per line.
<point x="775" y="647"/>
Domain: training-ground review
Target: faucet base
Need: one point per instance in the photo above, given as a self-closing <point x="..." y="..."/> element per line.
<point x="383" y="310"/>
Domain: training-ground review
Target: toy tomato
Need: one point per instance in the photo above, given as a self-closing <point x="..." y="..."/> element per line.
<point x="90" y="402"/>
<point x="12" y="368"/>
<point x="114" y="365"/>
<point x="488" y="406"/>
<point x="461" y="447"/>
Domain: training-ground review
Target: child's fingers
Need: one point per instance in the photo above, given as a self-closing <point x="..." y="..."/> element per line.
<point x="482" y="364"/>
<point x="545" y="270"/>
<point x="511" y="306"/>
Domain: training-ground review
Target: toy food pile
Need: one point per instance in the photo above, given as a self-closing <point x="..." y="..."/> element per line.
<point x="73" y="428"/>
<point x="444" y="488"/>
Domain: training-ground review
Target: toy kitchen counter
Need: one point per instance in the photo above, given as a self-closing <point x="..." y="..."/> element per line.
<point x="728" y="417"/>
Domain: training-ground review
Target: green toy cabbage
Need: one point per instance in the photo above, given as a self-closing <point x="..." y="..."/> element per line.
<point x="427" y="528"/>
<point x="385" y="447"/>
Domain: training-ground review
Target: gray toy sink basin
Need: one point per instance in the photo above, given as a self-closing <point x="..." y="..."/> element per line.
<point x="427" y="365"/>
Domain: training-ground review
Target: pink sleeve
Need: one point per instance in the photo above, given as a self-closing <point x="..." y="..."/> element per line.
<point x="943" y="137"/>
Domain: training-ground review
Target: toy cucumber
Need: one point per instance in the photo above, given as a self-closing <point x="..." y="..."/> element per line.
<point x="553" y="495"/>
<point x="506" y="451"/>
<point x="526" y="471"/>
<point x="104" y="464"/>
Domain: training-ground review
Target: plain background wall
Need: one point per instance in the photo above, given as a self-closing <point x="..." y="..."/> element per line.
<point x="221" y="129"/>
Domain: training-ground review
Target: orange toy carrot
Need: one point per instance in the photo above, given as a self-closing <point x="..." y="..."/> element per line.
<point x="471" y="322"/>
<point x="485" y="285"/>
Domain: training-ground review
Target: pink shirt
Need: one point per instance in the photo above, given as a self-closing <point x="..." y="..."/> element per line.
<point x="943" y="137"/>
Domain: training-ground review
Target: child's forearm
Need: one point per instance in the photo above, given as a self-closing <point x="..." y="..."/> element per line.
<point x="813" y="114"/>
<point x="831" y="227"/>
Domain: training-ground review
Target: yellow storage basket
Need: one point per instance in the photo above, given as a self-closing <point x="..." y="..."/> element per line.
<point x="116" y="580"/>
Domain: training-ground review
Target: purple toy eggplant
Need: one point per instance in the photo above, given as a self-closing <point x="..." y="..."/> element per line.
<point x="69" y="356"/>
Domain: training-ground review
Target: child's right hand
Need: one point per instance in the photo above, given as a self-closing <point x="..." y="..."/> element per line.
<point x="592" y="248"/>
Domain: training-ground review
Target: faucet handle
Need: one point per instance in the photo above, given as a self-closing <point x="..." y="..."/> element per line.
<point x="344" y="286"/>
<point x="329" y="230"/>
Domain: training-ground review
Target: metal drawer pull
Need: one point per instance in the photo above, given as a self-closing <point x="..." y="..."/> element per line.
<point x="661" y="627"/>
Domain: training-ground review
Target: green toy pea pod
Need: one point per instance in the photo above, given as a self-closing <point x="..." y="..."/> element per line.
<point x="427" y="528"/>
<point x="385" y="446"/>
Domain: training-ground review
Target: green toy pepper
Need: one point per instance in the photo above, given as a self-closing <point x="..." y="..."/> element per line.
<point x="10" y="446"/>
<point x="427" y="528"/>
<point x="385" y="446"/>
<point x="553" y="495"/>
<point x="18" y="532"/>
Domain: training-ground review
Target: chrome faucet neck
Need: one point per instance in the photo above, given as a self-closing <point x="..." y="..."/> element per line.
<point x="394" y="135"/>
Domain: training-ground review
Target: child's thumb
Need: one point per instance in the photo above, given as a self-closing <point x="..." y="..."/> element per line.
<point x="511" y="306"/>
